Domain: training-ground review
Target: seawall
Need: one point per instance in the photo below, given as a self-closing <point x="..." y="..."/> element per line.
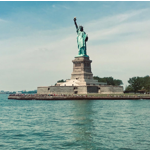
<point x="80" y="97"/>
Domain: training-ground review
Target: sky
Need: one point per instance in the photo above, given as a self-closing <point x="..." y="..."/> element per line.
<point x="38" y="40"/>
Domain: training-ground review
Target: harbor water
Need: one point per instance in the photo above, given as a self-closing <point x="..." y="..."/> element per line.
<point x="74" y="124"/>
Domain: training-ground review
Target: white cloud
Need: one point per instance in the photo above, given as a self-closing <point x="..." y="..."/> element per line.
<point x="61" y="6"/>
<point x="129" y="29"/>
<point x="3" y="21"/>
<point x="66" y="7"/>
<point x="117" y="19"/>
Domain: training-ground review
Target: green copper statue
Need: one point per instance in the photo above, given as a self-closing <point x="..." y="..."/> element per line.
<point x="82" y="38"/>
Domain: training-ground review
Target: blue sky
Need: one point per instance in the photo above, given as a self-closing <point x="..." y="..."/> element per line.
<point x="38" y="41"/>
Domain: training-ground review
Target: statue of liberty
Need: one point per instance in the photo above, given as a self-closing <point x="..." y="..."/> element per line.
<point x="82" y="38"/>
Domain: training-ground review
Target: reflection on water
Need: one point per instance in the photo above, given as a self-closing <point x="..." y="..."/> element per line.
<point x="83" y="123"/>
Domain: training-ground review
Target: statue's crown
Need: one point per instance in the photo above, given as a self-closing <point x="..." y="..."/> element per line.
<point x="80" y="27"/>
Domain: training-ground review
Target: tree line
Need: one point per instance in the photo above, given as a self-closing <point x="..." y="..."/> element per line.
<point x="137" y="84"/>
<point x="108" y="80"/>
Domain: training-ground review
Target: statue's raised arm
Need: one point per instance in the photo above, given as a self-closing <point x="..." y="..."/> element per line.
<point x="75" y="22"/>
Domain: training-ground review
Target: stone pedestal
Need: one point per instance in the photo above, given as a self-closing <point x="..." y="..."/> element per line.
<point x="81" y="68"/>
<point x="82" y="73"/>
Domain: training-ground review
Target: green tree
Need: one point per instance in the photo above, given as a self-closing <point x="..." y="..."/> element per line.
<point x="129" y="88"/>
<point x="146" y="84"/>
<point x="109" y="80"/>
<point x="99" y="79"/>
<point x="136" y="83"/>
<point x="118" y="82"/>
<point x="62" y="80"/>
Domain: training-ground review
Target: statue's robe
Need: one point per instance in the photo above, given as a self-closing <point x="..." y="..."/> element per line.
<point x="81" y="41"/>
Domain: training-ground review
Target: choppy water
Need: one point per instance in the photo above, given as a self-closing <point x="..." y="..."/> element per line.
<point x="75" y="125"/>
